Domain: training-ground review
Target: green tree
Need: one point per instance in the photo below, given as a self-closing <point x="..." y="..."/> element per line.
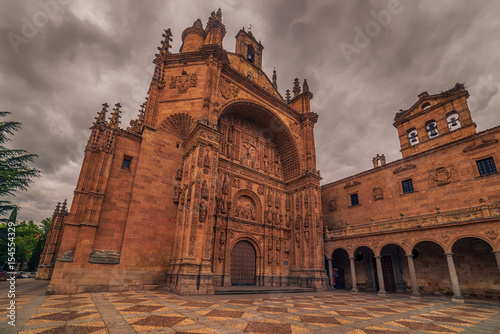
<point x="15" y="173"/>
<point x="37" y="251"/>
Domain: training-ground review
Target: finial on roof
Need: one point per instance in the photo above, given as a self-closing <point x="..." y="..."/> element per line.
<point x="165" y="43"/>
<point x="101" y="115"/>
<point x="275" y="78"/>
<point x="287" y="96"/>
<point x="197" y="24"/>
<point x="63" y="208"/>
<point x="296" y="87"/>
<point x="114" y="121"/>
<point x="305" y="86"/>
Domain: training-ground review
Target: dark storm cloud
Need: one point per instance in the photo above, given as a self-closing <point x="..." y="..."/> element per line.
<point x="91" y="52"/>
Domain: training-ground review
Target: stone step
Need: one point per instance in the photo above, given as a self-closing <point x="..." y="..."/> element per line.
<point x="245" y="290"/>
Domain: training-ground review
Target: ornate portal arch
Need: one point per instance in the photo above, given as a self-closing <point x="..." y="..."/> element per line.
<point x="270" y="126"/>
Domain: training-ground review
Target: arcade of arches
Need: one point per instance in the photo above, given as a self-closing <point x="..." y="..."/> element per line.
<point x="466" y="268"/>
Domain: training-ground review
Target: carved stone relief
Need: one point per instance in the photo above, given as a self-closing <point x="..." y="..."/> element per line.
<point x="183" y="82"/>
<point x="245" y="208"/>
<point x="332" y="204"/>
<point x="228" y="90"/>
<point x="378" y="193"/>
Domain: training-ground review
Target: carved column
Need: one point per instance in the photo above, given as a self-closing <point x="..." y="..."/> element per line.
<point x="413" y="276"/>
<point x="196" y="218"/>
<point x="380" y="275"/>
<point x="353" y="274"/>
<point x="330" y="272"/>
<point x="457" y="294"/>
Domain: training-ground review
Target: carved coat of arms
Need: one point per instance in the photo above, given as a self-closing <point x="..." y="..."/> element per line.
<point x="183" y="82"/>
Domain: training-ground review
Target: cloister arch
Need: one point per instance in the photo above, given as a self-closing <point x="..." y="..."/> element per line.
<point x="476" y="267"/>
<point x="432" y="272"/>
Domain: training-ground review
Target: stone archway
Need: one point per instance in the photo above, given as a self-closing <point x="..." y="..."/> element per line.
<point x="243" y="263"/>
<point x="476" y="268"/>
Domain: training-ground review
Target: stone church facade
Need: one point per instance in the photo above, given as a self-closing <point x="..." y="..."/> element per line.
<point x="429" y="222"/>
<point x="214" y="184"/>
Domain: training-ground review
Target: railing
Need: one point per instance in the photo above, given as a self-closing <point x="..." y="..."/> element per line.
<point x="414" y="222"/>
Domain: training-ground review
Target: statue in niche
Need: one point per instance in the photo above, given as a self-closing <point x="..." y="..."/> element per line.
<point x="222" y="246"/>
<point x="225" y="185"/>
<point x="203" y="211"/>
<point x="266" y="164"/>
<point x="236" y="182"/>
<point x="306" y="201"/>
<point x="206" y="163"/>
<point x="248" y="155"/>
<point x="260" y="190"/>
<point x="204" y="190"/>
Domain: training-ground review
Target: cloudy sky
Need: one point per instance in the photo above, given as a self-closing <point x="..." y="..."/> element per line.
<point x="61" y="59"/>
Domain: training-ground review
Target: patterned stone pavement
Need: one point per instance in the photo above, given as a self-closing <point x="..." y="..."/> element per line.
<point x="319" y="312"/>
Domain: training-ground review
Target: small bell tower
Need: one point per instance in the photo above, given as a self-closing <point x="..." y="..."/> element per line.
<point x="249" y="48"/>
<point x="434" y="120"/>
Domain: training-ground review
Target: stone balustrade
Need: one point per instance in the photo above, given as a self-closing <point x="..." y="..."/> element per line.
<point x="439" y="218"/>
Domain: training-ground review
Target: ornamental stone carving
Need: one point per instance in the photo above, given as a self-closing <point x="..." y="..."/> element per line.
<point x="183" y="82"/>
<point x="332" y="205"/>
<point x="378" y="193"/>
<point x="228" y="90"/>
<point x="441" y="176"/>
<point x="203" y="212"/>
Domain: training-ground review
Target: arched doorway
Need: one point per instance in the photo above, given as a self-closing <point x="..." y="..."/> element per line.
<point x="340" y="264"/>
<point x="243" y="264"/>
<point x="393" y="267"/>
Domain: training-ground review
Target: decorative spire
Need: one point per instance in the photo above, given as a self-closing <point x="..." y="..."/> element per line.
<point x="296" y="87"/>
<point x="136" y="124"/>
<point x="114" y="121"/>
<point x="165" y="44"/>
<point x="63" y="208"/>
<point x="57" y="209"/>
<point x="288" y="97"/>
<point x="101" y="115"/>
<point x="305" y="86"/>
<point x="275" y="78"/>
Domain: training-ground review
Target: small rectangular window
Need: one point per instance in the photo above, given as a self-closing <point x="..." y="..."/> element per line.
<point x="126" y="162"/>
<point x="354" y="199"/>
<point x="486" y="166"/>
<point x="407" y="186"/>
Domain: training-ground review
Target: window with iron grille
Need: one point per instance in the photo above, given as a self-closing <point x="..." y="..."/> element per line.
<point x="486" y="166"/>
<point x="354" y="199"/>
<point x="407" y="186"/>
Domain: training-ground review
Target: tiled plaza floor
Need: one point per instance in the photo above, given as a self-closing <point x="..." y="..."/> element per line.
<point x="318" y="312"/>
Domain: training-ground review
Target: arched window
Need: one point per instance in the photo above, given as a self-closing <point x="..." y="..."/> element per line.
<point x="412" y="137"/>
<point x="453" y="121"/>
<point x="250" y="54"/>
<point x="426" y="105"/>
<point x="432" y="130"/>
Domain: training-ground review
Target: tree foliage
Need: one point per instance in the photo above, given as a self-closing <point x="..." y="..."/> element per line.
<point x="29" y="242"/>
<point x="15" y="173"/>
